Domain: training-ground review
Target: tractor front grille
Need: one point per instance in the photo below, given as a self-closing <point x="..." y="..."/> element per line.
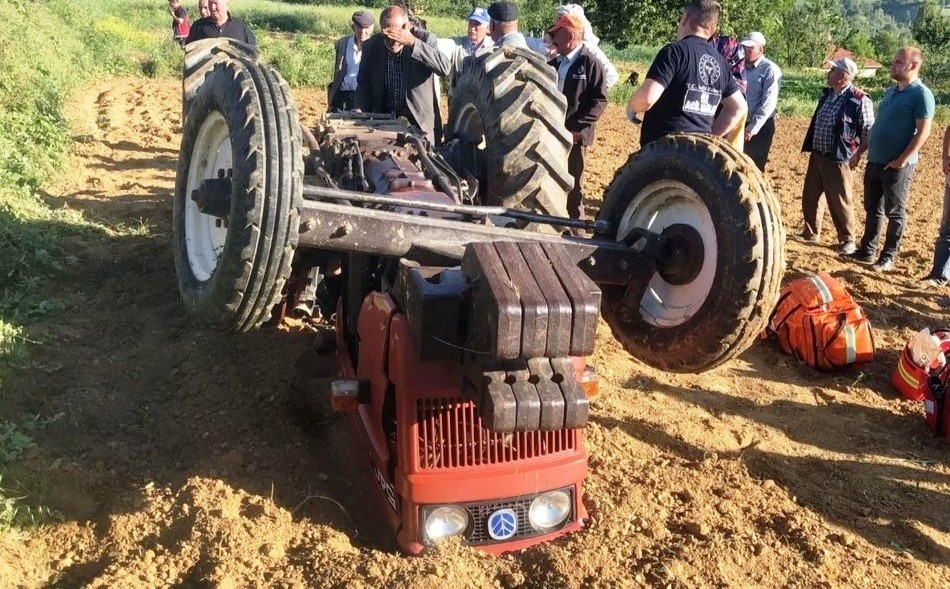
<point x="477" y="532"/>
<point x="452" y="435"/>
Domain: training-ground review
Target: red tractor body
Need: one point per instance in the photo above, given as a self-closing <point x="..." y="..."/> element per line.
<point x="432" y="449"/>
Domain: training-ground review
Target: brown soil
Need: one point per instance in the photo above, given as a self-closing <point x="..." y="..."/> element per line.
<point x="175" y="459"/>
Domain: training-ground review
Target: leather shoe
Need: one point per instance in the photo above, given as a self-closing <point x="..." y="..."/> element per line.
<point x="860" y="257"/>
<point x="805" y="238"/>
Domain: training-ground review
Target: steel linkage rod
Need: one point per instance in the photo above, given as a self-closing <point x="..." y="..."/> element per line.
<point x="317" y="193"/>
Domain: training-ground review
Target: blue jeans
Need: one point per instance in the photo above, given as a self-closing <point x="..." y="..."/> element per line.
<point x="885" y="196"/>
<point x="941" y="267"/>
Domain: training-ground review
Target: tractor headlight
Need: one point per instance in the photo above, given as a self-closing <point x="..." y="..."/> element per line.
<point x="445" y="521"/>
<point x="548" y="510"/>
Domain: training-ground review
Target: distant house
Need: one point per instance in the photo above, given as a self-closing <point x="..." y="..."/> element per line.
<point x="867" y="67"/>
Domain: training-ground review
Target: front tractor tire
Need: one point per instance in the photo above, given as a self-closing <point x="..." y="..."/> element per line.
<point x="232" y="259"/>
<point x="720" y="214"/>
<point x="507" y="108"/>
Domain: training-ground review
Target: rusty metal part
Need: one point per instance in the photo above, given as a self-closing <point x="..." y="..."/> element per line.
<point x="325" y="225"/>
<point x="316" y="192"/>
<point x="370" y="136"/>
<point x="432" y="298"/>
<point x="516" y="316"/>
<point x="527" y="395"/>
<point x="213" y="197"/>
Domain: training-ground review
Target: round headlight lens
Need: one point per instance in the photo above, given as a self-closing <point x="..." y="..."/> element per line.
<point x="549" y="509"/>
<point x="448" y="520"/>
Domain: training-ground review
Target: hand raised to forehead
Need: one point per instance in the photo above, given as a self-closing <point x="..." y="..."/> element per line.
<point x="400" y="35"/>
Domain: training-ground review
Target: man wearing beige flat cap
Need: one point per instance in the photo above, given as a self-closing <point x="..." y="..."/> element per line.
<point x="836" y="138"/>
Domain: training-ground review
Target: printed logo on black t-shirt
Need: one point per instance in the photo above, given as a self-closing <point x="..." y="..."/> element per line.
<point x="704" y="99"/>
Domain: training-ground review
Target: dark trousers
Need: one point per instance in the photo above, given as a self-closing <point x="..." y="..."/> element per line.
<point x="343" y="100"/>
<point x="941" y="267"/>
<point x="885" y="196"/>
<point x="833" y="180"/>
<point x="758" y="147"/>
<point x="575" y="165"/>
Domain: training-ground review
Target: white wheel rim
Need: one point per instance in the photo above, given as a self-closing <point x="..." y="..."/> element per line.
<point x="655" y="208"/>
<point x="205" y="235"/>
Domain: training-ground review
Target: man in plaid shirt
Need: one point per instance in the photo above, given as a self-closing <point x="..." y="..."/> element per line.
<point x="836" y="138"/>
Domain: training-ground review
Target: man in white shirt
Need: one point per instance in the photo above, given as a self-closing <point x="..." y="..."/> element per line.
<point x="476" y="39"/>
<point x="591" y="41"/>
<point x="763" y="79"/>
<point x="341" y="94"/>
<point x="580" y="77"/>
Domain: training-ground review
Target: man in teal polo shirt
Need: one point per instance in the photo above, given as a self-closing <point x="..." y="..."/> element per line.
<point x="903" y="124"/>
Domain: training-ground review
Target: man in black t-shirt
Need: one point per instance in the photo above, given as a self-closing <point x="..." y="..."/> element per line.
<point x="688" y="81"/>
<point x="221" y="24"/>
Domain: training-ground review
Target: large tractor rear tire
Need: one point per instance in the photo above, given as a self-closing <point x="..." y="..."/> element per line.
<point x="201" y="57"/>
<point x="232" y="263"/>
<point x="506" y="104"/>
<point x="713" y="203"/>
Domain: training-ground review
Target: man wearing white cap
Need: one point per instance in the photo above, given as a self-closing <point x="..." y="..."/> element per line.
<point x="763" y="78"/>
<point x="836" y="138"/>
<point x="475" y="39"/>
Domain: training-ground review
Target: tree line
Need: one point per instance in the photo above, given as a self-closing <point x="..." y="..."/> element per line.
<point x="799" y="31"/>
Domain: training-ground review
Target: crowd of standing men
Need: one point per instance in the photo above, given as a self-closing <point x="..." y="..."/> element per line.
<point x="702" y="82"/>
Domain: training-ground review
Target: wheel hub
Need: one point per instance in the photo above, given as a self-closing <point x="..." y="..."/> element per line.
<point x="684" y="254"/>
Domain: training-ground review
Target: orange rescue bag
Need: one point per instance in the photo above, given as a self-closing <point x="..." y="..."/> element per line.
<point x="818" y="321"/>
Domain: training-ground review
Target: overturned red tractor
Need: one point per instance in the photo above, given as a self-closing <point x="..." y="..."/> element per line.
<point x="463" y="315"/>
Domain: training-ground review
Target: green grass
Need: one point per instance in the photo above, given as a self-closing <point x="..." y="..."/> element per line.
<point x="15" y="440"/>
<point x="72" y="42"/>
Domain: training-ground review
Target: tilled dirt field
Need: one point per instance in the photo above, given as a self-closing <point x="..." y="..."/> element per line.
<point x="175" y="458"/>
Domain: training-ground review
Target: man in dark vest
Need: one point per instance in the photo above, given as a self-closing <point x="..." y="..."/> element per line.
<point x="580" y="77"/>
<point x="836" y="138"/>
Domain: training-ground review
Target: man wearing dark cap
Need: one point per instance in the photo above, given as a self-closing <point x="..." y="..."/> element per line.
<point x="397" y="73"/>
<point x="220" y="24"/>
<point x="503" y="27"/>
<point x="580" y="77"/>
<point x="836" y="138"/>
<point x="341" y="94"/>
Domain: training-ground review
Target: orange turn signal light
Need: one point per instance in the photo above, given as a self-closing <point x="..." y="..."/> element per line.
<point x="345" y="394"/>
<point x="590" y="382"/>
